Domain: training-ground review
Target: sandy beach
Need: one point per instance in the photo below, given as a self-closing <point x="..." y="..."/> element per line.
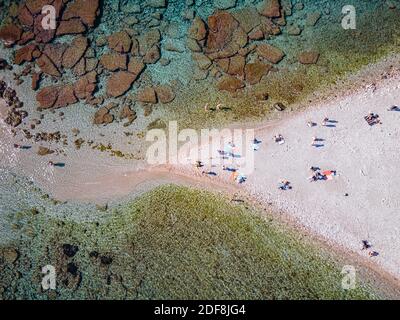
<point x="364" y="157"/>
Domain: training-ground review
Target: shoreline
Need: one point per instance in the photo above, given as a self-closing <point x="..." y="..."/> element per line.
<point x="163" y="176"/>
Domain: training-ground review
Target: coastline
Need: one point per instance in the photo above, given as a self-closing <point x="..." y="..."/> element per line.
<point x="184" y="176"/>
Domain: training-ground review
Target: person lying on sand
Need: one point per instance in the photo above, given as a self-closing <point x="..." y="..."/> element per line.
<point x="372" y="119"/>
<point x="279" y="139"/>
<point x="365" y="245"/>
<point x="18" y="146"/>
<point x="311" y="124"/>
<point x="285" y="185"/>
<point x="56" y="164"/>
<point x="394" y="108"/>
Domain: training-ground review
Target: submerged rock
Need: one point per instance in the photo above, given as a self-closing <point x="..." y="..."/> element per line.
<point x="271" y="53"/>
<point x="119" y="83"/>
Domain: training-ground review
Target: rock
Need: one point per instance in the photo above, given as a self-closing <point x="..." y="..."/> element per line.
<point x="193" y="45"/>
<point x="222" y="26"/>
<point x="73" y="26"/>
<point x="25" y="17"/>
<point x="43" y="151"/>
<point x="74" y="52"/>
<point x="24" y="54"/>
<point x="26" y="37"/>
<point x="230" y="83"/>
<point x="86" y="10"/>
<point x="47" y="97"/>
<point x="224" y="4"/>
<point x="157" y="3"/>
<point x="85" y="86"/>
<point x="153" y="55"/>
<point x="114" y="61"/>
<point x="147" y="95"/>
<point x="35" y="6"/>
<point x="201" y="60"/>
<point x="66" y="96"/>
<point x="91" y="64"/>
<point x="165" y="94"/>
<point x="120" y="42"/>
<point x="55" y="53"/>
<point x="269" y="8"/>
<point x="255" y="71"/>
<point x="223" y="64"/>
<point x="47" y="66"/>
<point x="127" y="113"/>
<point x="197" y="30"/>
<point x="119" y="83"/>
<point x="309" y="57"/>
<point x="80" y="68"/>
<point x="102" y="116"/>
<point x="256" y="34"/>
<point x="136" y="66"/>
<point x="248" y="18"/>
<point x="148" y="40"/>
<point x="236" y="65"/>
<point x="10" y="34"/>
<point x="271" y="53"/>
<point x="69" y="250"/>
<point x="312" y="18"/>
<point x="10" y="255"/>
<point x="294" y="30"/>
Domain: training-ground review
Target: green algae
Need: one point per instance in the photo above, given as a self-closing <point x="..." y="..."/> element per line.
<point x="171" y="244"/>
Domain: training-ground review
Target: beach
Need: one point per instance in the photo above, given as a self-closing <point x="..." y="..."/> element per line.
<point x="360" y="203"/>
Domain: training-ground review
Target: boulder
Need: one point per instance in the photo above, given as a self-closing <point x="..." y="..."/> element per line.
<point x="73" y="26"/>
<point x="165" y="94"/>
<point x="114" y="61"/>
<point x="153" y="55"/>
<point x="103" y="116"/>
<point x="120" y="42"/>
<point x="74" y="52"/>
<point x="271" y="53"/>
<point x="55" y="53"/>
<point x="202" y="61"/>
<point x="47" y="66"/>
<point x="255" y="71"/>
<point x="119" y="83"/>
<point x="148" y="40"/>
<point x="85" y="86"/>
<point x="248" y="18"/>
<point x="230" y="84"/>
<point x="66" y="96"/>
<point x="47" y="97"/>
<point x="86" y="10"/>
<point x="25" y="17"/>
<point x="24" y="54"/>
<point x="222" y="26"/>
<point x="309" y="57"/>
<point x="147" y="95"/>
<point x="269" y="8"/>
<point x="198" y="29"/>
<point x="236" y="65"/>
<point x="136" y="66"/>
<point x="10" y="34"/>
